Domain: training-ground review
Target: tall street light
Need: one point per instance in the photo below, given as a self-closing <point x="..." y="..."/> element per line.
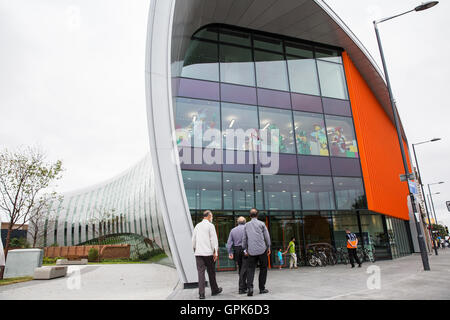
<point x="421" y="240"/>
<point x="431" y="198"/>
<point x="421" y="187"/>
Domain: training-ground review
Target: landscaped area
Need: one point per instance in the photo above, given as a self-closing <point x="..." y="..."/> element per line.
<point x="5" y="282"/>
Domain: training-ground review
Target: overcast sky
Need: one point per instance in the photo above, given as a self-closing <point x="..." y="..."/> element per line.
<point x="72" y="81"/>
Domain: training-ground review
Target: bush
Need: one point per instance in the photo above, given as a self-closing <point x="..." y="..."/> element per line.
<point x="19" y="243"/>
<point x="93" y="255"/>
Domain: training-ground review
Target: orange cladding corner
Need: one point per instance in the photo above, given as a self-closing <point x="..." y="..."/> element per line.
<point x="379" y="150"/>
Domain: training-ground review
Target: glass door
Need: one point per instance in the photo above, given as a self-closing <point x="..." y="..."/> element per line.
<point x="224" y="222"/>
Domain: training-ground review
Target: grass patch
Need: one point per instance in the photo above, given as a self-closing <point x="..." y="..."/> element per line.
<point x="5" y="282"/>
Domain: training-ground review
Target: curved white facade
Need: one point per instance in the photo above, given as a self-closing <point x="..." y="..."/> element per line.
<point x="170" y="27"/>
<point x="125" y="204"/>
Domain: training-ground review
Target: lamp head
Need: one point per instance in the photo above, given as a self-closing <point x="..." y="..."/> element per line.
<point x="435" y="139"/>
<point x="426" y="5"/>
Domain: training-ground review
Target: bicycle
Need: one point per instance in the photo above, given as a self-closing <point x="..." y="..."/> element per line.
<point x="342" y="256"/>
<point x="366" y="254"/>
<point x="313" y="259"/>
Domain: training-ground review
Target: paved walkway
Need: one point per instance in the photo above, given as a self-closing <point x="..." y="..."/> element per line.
<point x="402" y="278"/>
<point x="104" y="282"/>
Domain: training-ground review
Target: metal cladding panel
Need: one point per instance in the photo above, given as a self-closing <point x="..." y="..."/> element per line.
<point x="380" y="154"/>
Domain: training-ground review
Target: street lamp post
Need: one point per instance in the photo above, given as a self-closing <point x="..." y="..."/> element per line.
<point x="421" y="7"/>
<point x="423" y="193"/>
<point x="431" y="201"/>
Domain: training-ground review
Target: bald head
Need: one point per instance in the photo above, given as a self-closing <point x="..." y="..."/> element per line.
<point x="241" y="220"/>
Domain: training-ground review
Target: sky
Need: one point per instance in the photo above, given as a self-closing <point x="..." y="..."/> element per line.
<point x="72" y="81"/>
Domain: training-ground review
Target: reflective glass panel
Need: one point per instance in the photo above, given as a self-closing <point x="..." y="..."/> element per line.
<point x="201" y="61"/>
<point x="271" y="72"/>
<point x="341" y="136"/>
<point x="299" y="50"/>
<point x="235" y="36"/>
<point x="281" y="192"/>
<point x="209" y="33"/>
<point x="244" y="117"/>
<point x="349" y="193"/>
<point x="328" y="55"/>
<point x="332" y="80"/>
<point x="276" y="119"/>
<point x="193" y="118"/>
<point x="343" y="220"/>
<point x="317" y="193"/>
<point x="236" y="65"/>
<point x="373" y="234"/>
<point x="203" y="189"/>
<point x="310" y="134"/>
<point x="238" y="191"/>
<point x="303" y="75"/>
<point x="267" y="43"/>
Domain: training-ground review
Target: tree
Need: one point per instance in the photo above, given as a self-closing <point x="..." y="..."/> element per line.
<point x="104" y="221"/>
<point x="42" y="217"/>
<point x="24" y="175"/>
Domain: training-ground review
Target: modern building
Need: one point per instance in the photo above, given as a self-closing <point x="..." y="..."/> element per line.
<point x="216" y="68"/>
<point x="121" y="210"/>
<point x="292" y="66"/>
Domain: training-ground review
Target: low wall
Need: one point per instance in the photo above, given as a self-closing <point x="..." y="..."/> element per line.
<point x="119" y="251"/>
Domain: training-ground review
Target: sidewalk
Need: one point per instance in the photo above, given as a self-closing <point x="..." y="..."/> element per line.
<point x="402" y="278"/>
<point x="104" y="282"/>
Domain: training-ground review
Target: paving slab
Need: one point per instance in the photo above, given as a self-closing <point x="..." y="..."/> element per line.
<point x="399" y="279"/>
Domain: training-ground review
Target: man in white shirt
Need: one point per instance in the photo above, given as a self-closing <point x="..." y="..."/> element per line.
<point x="206" y="248"/>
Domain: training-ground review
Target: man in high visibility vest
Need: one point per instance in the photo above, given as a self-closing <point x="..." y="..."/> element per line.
<point x="352" y="245"/>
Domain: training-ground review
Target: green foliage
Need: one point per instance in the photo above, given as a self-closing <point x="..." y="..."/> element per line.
<point x="55" y="245"/>
<point x="441" y="230"/>
<point x="48" y="260"/>
<point x="19" y="243"/>
<point x="93" y="255"/>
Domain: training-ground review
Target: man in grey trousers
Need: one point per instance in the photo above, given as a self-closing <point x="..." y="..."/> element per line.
<point x="235" y="252"/>
<point x="256" y="246"/>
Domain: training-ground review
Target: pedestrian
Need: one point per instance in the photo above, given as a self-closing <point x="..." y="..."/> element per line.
<point x="280" y="258"/>
<point x="235" y="252"/>
<point x="206" y="248"/>
<point x="256" y="245"/>
<point x="352" y="245"/>
<point x="292" y="254"/>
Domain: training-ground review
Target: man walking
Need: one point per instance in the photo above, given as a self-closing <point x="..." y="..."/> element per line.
<point x="352" y="245"/>
<point x="293" y="255"/>
<point x="256" y="246"/>
<point x="234" y="246"/>
<point x="206" y="246"/>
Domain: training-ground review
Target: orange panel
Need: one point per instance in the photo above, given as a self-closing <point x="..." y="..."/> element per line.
<point x="379" y="150"/>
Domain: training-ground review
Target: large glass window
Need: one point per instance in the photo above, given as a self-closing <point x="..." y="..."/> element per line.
<point x="239" y="193"/>
<point x="281" y="192"/>
<point x="310" y="134"/>
<point x="201" y="61"/>
<point x="236" y="65"/>
<point x="373" y="234"/>
<point x="332" y="80"/>
<point x="193" y="118"/>
<point x="328" y="55"/>
<point x="276" y="119"/>
<point x="235" y="117"/>
<point x="343" y="220"/>
<point x="271" y="72"/>
<point x="203" y="189"/>
<point x="317" y="193"/>
<point x="349" y="193"/>
<point x="341" y="136"/>
<point x="302" y="69"/>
